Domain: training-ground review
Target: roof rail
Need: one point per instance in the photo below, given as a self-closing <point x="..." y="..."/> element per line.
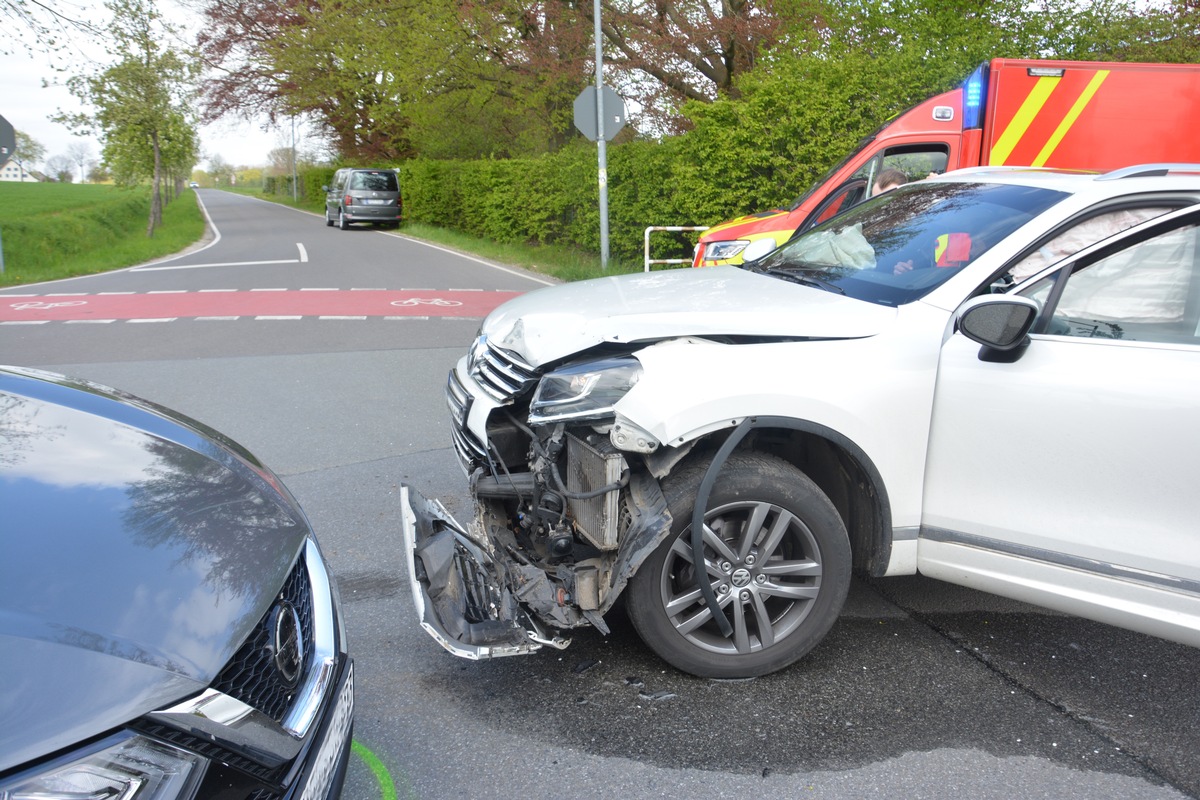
<point x="1147" y="171"/>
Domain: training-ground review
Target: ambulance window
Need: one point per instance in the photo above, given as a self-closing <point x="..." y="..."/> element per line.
<point x="849" y="194"/>
<point x="916" y="161"/>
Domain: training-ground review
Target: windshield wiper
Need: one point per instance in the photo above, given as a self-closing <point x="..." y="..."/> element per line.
<point x="790" y="274"/>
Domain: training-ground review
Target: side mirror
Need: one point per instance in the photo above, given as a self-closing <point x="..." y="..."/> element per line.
<point x="1000" y="323"/>
<point x="757" y="249"/>
<point x="324" y="188"/>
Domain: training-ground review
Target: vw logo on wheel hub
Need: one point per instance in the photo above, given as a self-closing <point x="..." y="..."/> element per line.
<point x="741" y="577"/>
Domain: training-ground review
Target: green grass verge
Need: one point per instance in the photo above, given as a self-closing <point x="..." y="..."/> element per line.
<point x="51" y="231"/>
<point x="563" y="263"/>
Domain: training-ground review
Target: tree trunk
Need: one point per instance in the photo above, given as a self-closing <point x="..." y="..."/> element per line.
<point x="156" y="191"/>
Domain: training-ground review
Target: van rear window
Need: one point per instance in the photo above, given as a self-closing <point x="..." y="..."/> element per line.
<point x="380" y="181"/>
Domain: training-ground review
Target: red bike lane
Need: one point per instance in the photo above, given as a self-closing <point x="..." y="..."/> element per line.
<point x="257" y="303"/>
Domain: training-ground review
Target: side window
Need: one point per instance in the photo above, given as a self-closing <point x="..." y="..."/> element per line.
<point x="850" y="194"/>
<point x="913" y="161"/>
<point x="1081" y="235"/>
<point x="1148" y="292"/>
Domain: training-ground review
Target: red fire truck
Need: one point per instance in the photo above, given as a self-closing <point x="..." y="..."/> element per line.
<point x="1065" y="114"/>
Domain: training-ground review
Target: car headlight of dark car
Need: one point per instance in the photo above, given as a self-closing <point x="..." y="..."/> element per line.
<point x="128" y="765"/>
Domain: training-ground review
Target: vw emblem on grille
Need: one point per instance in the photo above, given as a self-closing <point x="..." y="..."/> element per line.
<point x="287" y="642"/>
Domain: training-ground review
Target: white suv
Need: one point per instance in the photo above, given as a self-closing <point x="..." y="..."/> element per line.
<point x="950" y="378"/>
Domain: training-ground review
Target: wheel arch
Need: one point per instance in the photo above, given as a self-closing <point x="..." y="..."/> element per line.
<point x="839" y="467"/>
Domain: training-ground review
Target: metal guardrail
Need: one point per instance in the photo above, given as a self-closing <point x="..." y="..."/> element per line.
<point x="673" y="229"/>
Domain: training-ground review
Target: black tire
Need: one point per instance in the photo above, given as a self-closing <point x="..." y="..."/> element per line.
<point x="328" y="219"/>
<point x="778" y="558"/>
<point x="341" y="221"/>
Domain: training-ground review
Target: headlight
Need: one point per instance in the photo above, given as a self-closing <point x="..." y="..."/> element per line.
<point x="584" y="391"/>
<point x="134" y="767"/>
<point x="720" y="251"/>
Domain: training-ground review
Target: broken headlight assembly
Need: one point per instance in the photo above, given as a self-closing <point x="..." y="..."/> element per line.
<point x="583" y="391"/>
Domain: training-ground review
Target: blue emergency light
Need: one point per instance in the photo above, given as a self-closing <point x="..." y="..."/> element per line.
<point x="974" y="97"/>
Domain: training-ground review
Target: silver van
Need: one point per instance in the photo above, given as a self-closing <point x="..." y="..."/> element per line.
<point x="363" y="195"/>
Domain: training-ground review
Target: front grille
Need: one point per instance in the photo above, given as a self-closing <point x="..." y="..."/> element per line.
<point x="470" y="450"/>
<point x="501" y="374"/>
<point x="251" y="675"/>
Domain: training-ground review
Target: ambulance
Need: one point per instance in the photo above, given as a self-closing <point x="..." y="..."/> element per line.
<point x="1009" y="112"/>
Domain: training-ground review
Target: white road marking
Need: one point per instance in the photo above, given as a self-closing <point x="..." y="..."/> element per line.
<point x="303" y="253"/>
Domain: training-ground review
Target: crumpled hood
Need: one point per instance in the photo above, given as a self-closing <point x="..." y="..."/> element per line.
<point x="552" y="323"/>
<point x="139" y="551"/>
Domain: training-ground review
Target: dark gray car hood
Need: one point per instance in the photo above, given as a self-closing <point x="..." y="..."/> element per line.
<point x="138" y="549"/>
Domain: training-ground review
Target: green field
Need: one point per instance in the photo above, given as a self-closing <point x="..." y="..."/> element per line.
<point x="58" y="230"/>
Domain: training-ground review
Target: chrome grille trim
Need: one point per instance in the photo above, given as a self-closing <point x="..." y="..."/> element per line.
<point x="471" y="452"/>
<point x="458" y="399"/>
<point x="501" y="374"/>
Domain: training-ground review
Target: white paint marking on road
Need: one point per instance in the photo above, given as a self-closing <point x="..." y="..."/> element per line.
<point x="202" y="291"/>
<point x="67" y="294"/>
<point x="356" y="289"/>
<point x="221" y="264"/>
<point x="108" y="294"/>
<point x="414" y="319"/>
<point x="167" y="291"/>
<point x="278" y="318"/>
<point x="87" y="321"/>
<point x="216" y="319"/>
<point x="303" y="253"/>
<point x="319" y="289"/>
<point x="470" y="258"/>
<point x="211" y="226"/>
<point x="25" y="322"/>
<point x="20" y="295"/>
<point x="159" y="319"/>
<point x="268" y="290"/>
<point x="343" y="317"/>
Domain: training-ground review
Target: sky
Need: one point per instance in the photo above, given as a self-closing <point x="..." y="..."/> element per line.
<point x="27" y="106"/>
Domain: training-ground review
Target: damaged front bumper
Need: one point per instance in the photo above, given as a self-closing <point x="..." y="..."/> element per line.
<point x="463" y="596"/>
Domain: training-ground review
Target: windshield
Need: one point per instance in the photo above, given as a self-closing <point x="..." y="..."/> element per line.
<point x="899" y="246"/>
<point x="382" y="181"/>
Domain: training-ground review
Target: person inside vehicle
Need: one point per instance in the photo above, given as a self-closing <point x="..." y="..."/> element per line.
<point x="888" y="179"/>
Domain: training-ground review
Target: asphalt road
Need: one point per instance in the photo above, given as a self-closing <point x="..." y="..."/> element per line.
<point x="922" y="690"/>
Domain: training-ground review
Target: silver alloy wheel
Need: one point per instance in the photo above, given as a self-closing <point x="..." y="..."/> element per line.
<point x="765" y="567"/>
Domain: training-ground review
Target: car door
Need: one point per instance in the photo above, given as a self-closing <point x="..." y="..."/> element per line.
<point x="1066" y="475"/>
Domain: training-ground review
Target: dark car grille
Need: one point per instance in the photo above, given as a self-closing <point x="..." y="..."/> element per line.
<point x="500" y="373"/>
<point x="251" y="675"/>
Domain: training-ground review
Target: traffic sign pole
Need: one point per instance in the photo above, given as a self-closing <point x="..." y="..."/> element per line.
<point x="601" y="139"/>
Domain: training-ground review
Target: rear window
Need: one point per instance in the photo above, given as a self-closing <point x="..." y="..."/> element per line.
<point x="899" y="246"/>
<point x="375" y="181"/>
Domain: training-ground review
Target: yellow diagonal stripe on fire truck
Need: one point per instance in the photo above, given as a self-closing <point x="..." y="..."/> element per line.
<point x="1022" y="120"/>
<point x="1069" y="119"/>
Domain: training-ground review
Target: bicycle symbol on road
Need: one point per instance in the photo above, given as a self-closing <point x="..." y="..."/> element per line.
<point x="426" y="301"/>
<point x="28" y="304"/>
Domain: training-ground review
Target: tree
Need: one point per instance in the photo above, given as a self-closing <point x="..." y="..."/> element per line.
<point x="387" y="79"/>
<point x="80" y="154"/>
<point x="220" y="171"/>
<point x="60" y="168"/>
<point x="29" y="150"/>
<point x="140" y="103"/>
<point x="40" y="25"/>
<point x="690" y="49"/>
